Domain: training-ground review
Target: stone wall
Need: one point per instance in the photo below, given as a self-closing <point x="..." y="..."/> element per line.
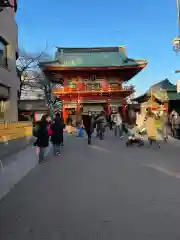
<point x="13" y="147"/>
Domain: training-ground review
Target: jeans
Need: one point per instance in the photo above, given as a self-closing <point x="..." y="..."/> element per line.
<point x="101" y="133"/>
<point x="97" y="131"/>
<point x="165" y="132"/>
<point x="56" y="148"/>
<point x="41" y="153"/>
<point x="118" y="129"/>
<point x="89" y="134"/>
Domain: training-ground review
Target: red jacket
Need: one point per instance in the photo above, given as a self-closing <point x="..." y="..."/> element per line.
<point x="49" y="131"/>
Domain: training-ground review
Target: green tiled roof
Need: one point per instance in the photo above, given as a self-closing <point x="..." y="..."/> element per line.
<point x="162" y="91"/>
<point x="167" y="96"/>
<point x="96" y="59"/>
<point x="92" y="58"/>
<point x="164" y="85"/>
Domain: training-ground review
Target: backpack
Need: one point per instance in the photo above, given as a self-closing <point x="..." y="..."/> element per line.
<point x="35" y="130"/>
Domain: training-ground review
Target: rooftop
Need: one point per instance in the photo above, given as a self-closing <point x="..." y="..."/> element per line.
<point x="93" y="57"/>
<point x="163" y="90"/>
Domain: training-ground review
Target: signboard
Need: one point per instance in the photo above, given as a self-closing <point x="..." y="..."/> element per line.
<point x="38" y="116"/>
<point x="178" y="86"/>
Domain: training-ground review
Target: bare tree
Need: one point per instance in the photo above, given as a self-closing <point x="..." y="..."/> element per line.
<point x="29" y="62"/>
<point x="31" y="76"/>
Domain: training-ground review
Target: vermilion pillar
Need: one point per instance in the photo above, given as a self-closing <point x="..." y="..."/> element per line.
<point x="108" y="109"/>
<point x="124" y="111"/>
<point x="34" y="116"/>
<point x="78" y="106"/>
<point x="64" y="113"/>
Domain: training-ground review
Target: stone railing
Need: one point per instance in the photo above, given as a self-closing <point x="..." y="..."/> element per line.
<point x="74" y="90"/>
<point x="15" y="130"/>
<point x="129" y="88"/>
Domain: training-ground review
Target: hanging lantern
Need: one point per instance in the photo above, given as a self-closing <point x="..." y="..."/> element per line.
<point x="166" y="107"/>
<point x="154" y="108"/>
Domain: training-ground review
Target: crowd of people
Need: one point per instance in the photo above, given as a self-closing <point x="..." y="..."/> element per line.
<point x="144" y="125"/>
<point x="47" y="131"/>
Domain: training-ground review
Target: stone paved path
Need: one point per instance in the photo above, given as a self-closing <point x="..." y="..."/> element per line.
<point x="104" y="191"/>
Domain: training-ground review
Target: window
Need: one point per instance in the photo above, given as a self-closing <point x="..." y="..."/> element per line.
<point x="114" y="85"/>
<point x="3" y="53"/>
<point x="92" y="78"/>
<point x="71" y="85"/>
<point x="93" y="86"/>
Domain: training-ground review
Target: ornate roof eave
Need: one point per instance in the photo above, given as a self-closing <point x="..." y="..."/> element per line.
<point x="48" y="63"/>
<point x="88" y="49"/>
<point x="142" y="98"/>
<point x="45" y="66"/>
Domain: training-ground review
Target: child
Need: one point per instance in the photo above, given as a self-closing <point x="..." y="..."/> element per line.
<point x="80" y="129"/>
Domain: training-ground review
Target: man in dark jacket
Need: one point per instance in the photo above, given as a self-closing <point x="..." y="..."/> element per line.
<point x="102" y="123"/>
<point x="57" y="134"/>
<point x="89" y="126"/>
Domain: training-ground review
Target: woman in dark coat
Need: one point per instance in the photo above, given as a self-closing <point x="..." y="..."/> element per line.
<point x="57" y="134"/>
<point x="89" y="126"/>
<point x="42" y="137"/>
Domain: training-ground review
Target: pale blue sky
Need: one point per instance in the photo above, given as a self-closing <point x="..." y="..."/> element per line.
<point x="145" y="27"/>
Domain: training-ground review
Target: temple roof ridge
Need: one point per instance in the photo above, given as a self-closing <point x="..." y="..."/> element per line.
<point x="89" y="49"/>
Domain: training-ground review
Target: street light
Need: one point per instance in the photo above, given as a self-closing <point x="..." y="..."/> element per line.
<point x="176" y="41"/>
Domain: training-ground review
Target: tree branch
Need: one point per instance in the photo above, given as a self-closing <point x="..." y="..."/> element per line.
<point x="29" y="63"/>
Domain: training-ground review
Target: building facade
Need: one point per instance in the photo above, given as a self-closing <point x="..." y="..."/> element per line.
<point x="92" y="79"/>
<point x="160" y="96"/>
<point x="9" y="81"/>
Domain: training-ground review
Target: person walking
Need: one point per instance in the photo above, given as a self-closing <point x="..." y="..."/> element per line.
<point x="165" y="125"/>
<point x="109" y="120"/>
<point x="57" y="134"/>
<point x="173" y="121"/>
<point x="96" y="125"/>
<point x="175" y="125"/>
<point x="42" y="137"/>
<point x="118" y="125"/>
<point x="101" y="123"/>
<point x="89" y="126"/>
<point x="151" y="127"/>
<point x="64" y="126"/>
